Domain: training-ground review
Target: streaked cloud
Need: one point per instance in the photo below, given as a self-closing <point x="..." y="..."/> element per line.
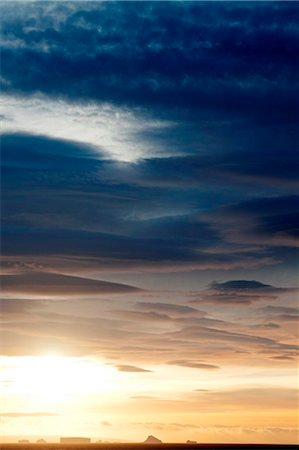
<point x="50" y="284"/>
<point x="133" y="369"/>
<point x="27" y="414"/>
<point x="167" y="308"/>
<point x="193" y="364"/>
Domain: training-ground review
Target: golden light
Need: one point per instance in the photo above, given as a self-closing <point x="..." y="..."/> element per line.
<point x="55" y="378"/>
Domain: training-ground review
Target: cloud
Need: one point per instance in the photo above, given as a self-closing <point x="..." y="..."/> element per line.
<point x="233" y="166"/>
<point x="268" y="325"/>
<point x="252" y="396"/>
<point x="70" y="333"/>
<point x="288" y="317"/>
<point x="15" y="310"/>
<point x="112" y="333"/>
<point x="200" y="390"/>
<point x="283" y="358"/>
<point x="166" y="426"/>
<point x="167" y="308"/>
<point x="171" y="58"/>
<point x="147" y="332"/>
<point x="128" y="368"/>
<point x="50" y="284"/>
<point x="28" y="414"/>
<point x="98" y="216"/>
<point x="218" y="429"/>
<point x="240" y="292"/>
<point x="193" y="364"/>
<point x="105" y="423"/>
<point x="105" y="130"/>
<point x="281" y="313"/>
<point x="274" y="310"/>
<point x="143" y="397"/>
<point x="271" y="219"/>
<point x="233" y="400"/>
<point x="208" y="334"/>
<point x="16" y="306"/>
<point x="241" y="285"/>
<point x="142" y="140"/>
<point x="151" y="317"/>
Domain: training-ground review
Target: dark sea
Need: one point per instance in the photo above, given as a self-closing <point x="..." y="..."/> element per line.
<point x="166" y="446"/>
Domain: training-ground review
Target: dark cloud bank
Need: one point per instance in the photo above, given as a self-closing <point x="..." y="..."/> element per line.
<point x="60" y="201"/>
<point x="217" y="57"/>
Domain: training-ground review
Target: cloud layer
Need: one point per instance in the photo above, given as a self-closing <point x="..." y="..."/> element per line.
<point x="149" y="203"/>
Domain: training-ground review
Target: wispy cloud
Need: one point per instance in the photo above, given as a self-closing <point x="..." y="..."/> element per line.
<point x="28" y="414"/>
<point x="50" y="284"/>
<point x="193" y="364"/>
<point x="133" y="369"/>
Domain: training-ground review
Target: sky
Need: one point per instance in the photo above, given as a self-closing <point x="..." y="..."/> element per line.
<point x="149" y="220"/>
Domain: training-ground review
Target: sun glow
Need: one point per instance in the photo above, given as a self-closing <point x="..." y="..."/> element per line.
<point x="53" y="377"/>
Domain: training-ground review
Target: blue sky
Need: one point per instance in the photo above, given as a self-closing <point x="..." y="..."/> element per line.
<point x="149" y="182"/>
